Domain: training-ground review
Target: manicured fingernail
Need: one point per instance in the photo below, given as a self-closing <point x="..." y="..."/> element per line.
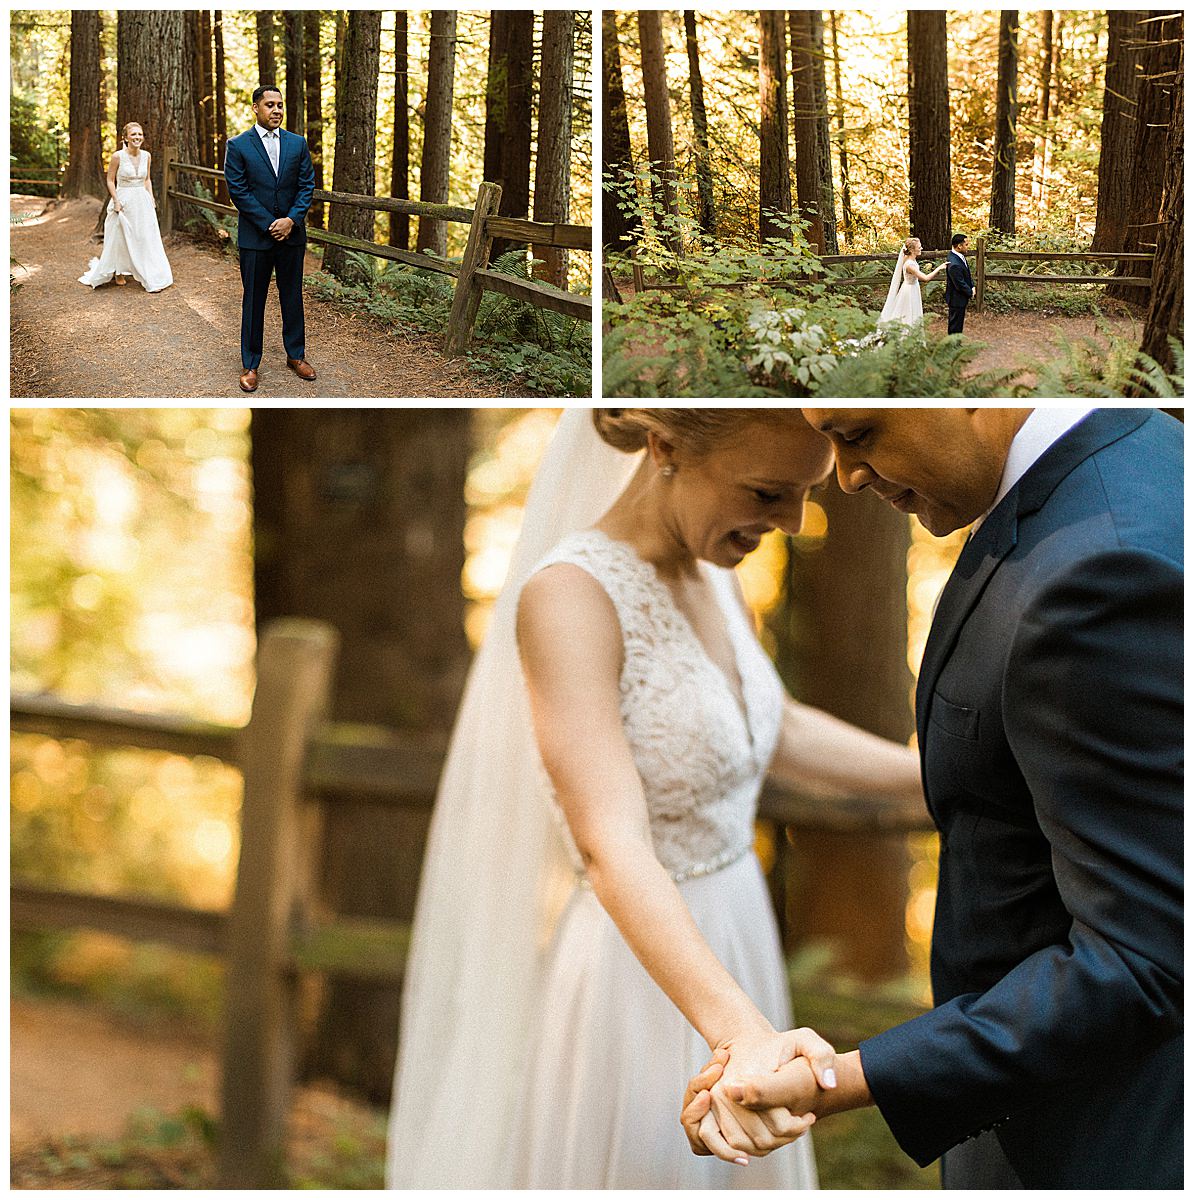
<point x="743" y="1162"/>
<point x="735" y="1093"/>
<point x="830" y="1078"/>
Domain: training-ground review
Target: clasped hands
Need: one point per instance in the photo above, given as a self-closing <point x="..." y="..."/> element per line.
<point x="757" y="1093"/>
<point x="280" y="229"/>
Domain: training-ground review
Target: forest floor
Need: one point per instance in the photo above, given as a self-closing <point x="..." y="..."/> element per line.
<point x="185" y="341"/>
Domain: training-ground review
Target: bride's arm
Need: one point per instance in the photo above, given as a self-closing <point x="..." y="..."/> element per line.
<point x="149" y="178"/>
<point x="111" y="181"/>
<point x="921" y="275"/>
<point x="571" y="649"/>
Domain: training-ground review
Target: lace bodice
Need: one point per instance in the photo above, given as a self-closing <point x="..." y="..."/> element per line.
<point x="130" y="172"/>
<point x="701" y="754"/>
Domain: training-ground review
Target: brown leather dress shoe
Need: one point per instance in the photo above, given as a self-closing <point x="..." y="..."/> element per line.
<point x="302" y="368"/>
<point x="248" y="379"/>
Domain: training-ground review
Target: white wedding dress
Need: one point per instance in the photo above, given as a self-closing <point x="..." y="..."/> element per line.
<point x="904" y="306"/>
<point x="132" y="241"/>
<point x="611" y="1053"/>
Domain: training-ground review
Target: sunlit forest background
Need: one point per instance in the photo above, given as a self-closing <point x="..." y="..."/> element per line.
<point x="136" y="584"/>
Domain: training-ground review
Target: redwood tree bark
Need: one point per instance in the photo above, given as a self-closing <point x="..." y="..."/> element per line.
<point x="292" y="25"/>
<point x="221" y="110"/>
<point x="267" y="62"/>
<point x="207" y="117"/>
<point x="85" y="166"/>
<point x="618" y="228"/>
<point x="356" y="132"/>
<point x="359" y="519"/>
<point x="553" y="151"/>
<point x="1117" y="131"/>
<point x="928" y="129"/>
<point x="1040" y="158"/>
<point x="156" y="87"/>
<point x="775" y="188"/>
<point x="1167" y="304"/>
<point x="843" y="159"/>
<point x="400" y="165"/>
<point x="660" y="147"/>
<point x="509" y="89"/>
<point x="495" y="94"/>
<point x="700" y="126"/>
<point x="437" y="129"/>
<point x="313" y="87"/>
<point x="1003" y="170"/>
<point x="824" y="152"/>
<point x="804" y="128"/>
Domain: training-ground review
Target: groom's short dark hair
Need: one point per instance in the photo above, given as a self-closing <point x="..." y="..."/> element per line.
<point x="957" y="239"/>
<point x="265" y="87"/>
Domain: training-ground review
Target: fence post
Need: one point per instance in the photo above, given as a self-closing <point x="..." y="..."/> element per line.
<point x="980" y="274"/>
<point x="467" y="297"/>
<point x="295" y="664"/>
<point x="167" y="205"/>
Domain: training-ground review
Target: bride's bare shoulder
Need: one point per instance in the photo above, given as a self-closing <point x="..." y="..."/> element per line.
<point x="562" y="610"/>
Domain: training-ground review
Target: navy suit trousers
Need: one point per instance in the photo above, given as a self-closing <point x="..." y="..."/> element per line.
<point x="257" y="267"/>
<point x="957" y="315"/>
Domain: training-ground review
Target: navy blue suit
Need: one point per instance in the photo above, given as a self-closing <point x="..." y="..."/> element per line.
<point x="1049" y="712"/>
<point x="261" y="197"/>
<point x="959" y="286"/>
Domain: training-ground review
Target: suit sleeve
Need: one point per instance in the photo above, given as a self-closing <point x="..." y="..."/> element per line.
<point x="236" y="176"/>
<point x="306" y="187"/>
<point x="1093" y="714"/>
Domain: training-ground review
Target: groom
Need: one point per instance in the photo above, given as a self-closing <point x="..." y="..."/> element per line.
<point x="1049" y="716"/>
<point x="959" y="286"/>
<point x="271" y="181"/>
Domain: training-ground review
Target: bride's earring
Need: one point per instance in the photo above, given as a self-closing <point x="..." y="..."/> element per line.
<point x="668" y="471"/>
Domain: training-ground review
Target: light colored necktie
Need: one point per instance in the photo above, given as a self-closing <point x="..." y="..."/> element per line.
<point x="271" y="147"/>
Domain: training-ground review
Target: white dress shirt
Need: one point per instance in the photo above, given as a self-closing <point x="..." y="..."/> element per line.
<point x="272" y="142"/>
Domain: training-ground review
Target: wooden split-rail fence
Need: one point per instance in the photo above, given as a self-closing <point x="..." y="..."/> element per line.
<point x="981" y="273"/>
<point x="294" y="763"/>
<point x="473" y="276"/>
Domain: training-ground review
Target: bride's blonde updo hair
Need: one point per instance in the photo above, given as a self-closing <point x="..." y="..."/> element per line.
<point x="910" y="243"/>
<point x="697" y="430"/>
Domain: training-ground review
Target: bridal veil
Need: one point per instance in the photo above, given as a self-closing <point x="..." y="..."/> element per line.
<point x="494" y="878"/>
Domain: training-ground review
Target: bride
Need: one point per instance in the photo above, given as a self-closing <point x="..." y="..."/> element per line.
<point x="903" y="305"/>
<point x="132" y="242"/>
<point x="592" y="920"/>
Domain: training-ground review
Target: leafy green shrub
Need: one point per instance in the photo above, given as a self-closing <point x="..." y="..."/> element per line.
<point x="1091" y="366"/>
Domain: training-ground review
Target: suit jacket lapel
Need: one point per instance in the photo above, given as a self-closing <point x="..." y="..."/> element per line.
<point x="283" y="141"/>
<point x="998" y="534"/>
<point x="255" y="138"/>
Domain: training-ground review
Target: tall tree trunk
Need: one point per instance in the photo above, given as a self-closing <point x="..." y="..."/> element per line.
<point x="437" y="129"/>
<point x="85" y="166"/>
<point x="855" y="578"/>
<point x="156" y="86"/>
<point x="618" y="227"/>
<point x="356" y="133"/>
<point x="313" y="87"/>
<point x="400" y="165"/>
<point x="1167" y="304"/>
<point x="292" y="23"/>
<point x="515" y="169"/>
<point x="700" y="126"/>
<point x="775" y="187"/>
<point x="267" y="62"/>
<point x="824" y="153"/>
<point x="553" y="151"/>
<point x="1117" y="131"/>
<point x="660" y="147"/>
<point x="928" y="129"/>
<point x="221" y="96"/>
<point x="1041" y="143"/>
<point x="804" y="128"/>
<point x="495" y="94"/>
<point x="843" y="161"/>
<point x="1160" y="51"/>
<point x="342" y="554"/>
<point x="1003" y="170"/>
<point x="207" y="135"/>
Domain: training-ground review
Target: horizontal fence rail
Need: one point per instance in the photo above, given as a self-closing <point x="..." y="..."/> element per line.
<point x="982" y="276"/>
<point x="293" y="760"/>
<point x="473" y="276"/>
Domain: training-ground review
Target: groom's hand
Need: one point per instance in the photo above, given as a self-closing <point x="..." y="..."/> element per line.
<point x="280" y="229"/>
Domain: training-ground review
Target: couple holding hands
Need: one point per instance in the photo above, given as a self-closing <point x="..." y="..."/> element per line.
<point x="592" y="923"/>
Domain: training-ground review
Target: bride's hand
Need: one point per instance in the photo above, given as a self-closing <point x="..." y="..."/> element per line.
<point x="730" y="1130"/>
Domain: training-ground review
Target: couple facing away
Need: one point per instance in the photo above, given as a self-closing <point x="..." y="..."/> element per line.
<point x="903" y="304"/>
<point x="593" y="926"/>
<point x="271" y="181"/>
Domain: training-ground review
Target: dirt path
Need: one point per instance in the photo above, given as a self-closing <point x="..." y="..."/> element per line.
<point x="120" y="342"/>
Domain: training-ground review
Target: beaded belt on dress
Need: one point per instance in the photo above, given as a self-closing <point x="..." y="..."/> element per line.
<point x="726" y="858"/>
